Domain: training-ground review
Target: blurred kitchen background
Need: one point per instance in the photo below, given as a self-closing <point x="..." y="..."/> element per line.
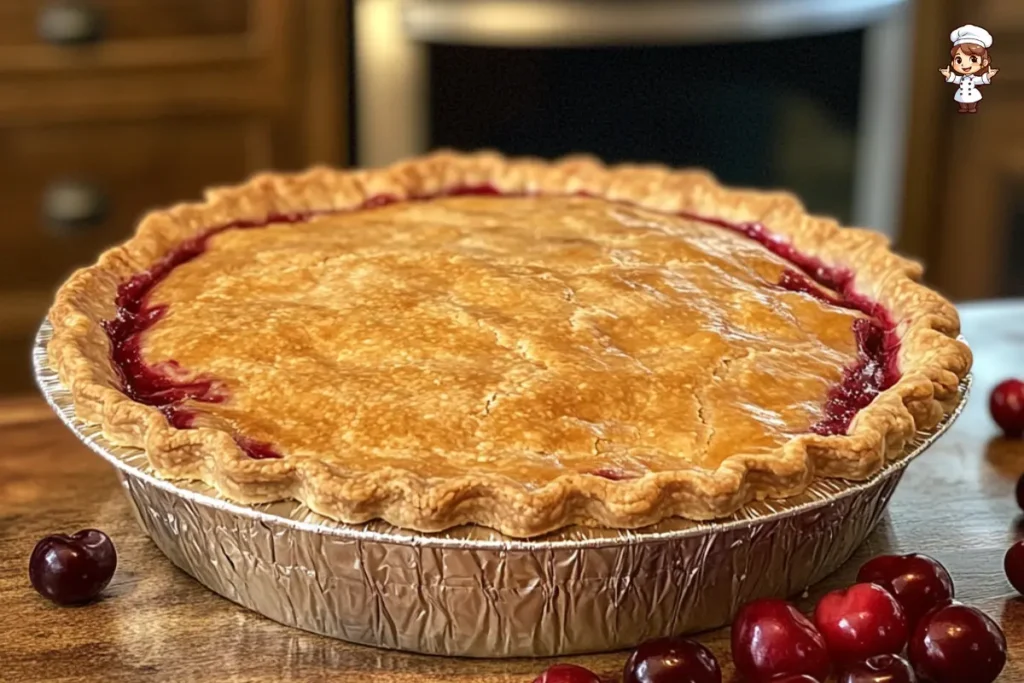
<point x="111" y="107"/>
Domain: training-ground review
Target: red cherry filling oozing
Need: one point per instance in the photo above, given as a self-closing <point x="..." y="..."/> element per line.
<point x="877" y="366"/>
<point x="166" y="386"/>
<point x="157" y="385"/>
<point x="614" y="474"/>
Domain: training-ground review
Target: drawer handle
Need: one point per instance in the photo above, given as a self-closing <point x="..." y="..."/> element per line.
<point x="73" y="204"/>
<point x="70" y="22"/>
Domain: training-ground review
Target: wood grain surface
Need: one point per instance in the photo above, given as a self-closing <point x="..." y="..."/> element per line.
<point x="155" y="623"/>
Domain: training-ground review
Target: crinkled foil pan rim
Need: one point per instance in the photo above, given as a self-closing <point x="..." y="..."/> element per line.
<point x="132" y="462"/>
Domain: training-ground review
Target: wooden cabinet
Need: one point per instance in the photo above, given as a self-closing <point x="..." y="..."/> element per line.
<point x="74" y="189"/>
<point x="964" y="200"/>
<point x="28" y="22"/>
<point x="979" y="233"/>
<point x="109" y="108"/>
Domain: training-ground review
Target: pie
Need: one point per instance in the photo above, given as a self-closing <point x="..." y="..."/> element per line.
<point x="507" y="342"/>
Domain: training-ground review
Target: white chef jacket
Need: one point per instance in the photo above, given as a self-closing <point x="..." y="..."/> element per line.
<point x="968" y="91"/>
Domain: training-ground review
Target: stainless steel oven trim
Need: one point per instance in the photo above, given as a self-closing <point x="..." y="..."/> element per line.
<point x="391" y="75"/>
<point x="553" y="23"/>
<point x="390" y="85"/>
<point x="885" y="108"/>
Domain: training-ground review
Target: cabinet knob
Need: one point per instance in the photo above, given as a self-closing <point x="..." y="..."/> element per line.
<point x="73" y="205"/>
<point x="70" y="22"/>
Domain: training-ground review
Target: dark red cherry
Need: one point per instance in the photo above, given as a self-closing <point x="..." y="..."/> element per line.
<point x="567" y="673"/>
<point x="878" y="669"/>
<point x="1006" y="403"/>
<point x="772" y="639"/>
<point x="1019" y="492"/>
<point x="798" y="678"/>
<point x="671" y="660"/>
<point x="72" y="569"/>
<point x="1013" y="564"/>
<point x="955" y="644"/>
<point x="861" y="621"/>
<point x="918" y="582"/>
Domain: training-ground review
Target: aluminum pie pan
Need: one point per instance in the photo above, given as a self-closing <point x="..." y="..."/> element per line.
<point x="472" y="592"/>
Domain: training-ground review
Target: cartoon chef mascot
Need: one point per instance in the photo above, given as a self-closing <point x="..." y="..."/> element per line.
<point x="969" y="67"/>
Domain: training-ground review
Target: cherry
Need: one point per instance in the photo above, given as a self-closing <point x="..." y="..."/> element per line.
<point x="72" y="569"/>
<point x="878" y="669"/>
<point x="956" y="643"/>
<point x="671" y="660"/>
<point x="1019" y="492"/>
<point x="798" y="678"/>
<point x="860" y="622"/>
<point x="772" y="639"/>
<point x="1006" y="403"/>
<point x="1013" y="564"/>
<point x="567" y="673"/>
<point x="918" y="582"/>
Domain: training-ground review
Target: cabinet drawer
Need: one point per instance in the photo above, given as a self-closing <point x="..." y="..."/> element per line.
<point x="66" y="22"/>
<point x="71" y="191"/>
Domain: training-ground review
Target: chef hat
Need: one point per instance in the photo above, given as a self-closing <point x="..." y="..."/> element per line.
<point x="971" y="34"/>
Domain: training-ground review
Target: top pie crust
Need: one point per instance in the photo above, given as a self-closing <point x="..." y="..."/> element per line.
<point x="580" y="349"/>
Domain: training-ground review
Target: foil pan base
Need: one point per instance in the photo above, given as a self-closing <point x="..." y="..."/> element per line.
<point x="471" y="592"/>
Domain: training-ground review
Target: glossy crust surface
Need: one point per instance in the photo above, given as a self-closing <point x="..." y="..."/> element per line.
<point x="931" y="360"/>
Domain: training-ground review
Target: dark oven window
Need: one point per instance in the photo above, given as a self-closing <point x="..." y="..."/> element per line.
<point x="773" y="114"/>
<point x="1013" y="274"/>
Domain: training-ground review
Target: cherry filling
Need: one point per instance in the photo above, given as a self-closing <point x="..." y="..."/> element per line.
<point x="156" y="384"/>
<point x="613" y="474"/>
<point x="164" y="385"/>
<point x="877" y="343"/>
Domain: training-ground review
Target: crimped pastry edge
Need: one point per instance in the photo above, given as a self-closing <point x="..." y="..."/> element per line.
<point x="932" y="360"/>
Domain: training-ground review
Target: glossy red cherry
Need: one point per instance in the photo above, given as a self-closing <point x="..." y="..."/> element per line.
<point x="567" y="673"/>
<point x="72" y="569"/>
<point x="799" y="678"/>
<point x="1006" y="403"/>
<point x="878" y="669"/>
<point x="956" y="643"/>
<point x="1013" y="564"/>
<point x="772" y="639"/>
<point x="671" y="660"/>
<point x="1019" y="492"/>
<point x="861" y="621"/>
<point x="918" y="582"/>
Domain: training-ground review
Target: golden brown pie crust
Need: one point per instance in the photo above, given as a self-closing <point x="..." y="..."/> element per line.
<point x="932" y="362"/>
<point x="525" y="336"/>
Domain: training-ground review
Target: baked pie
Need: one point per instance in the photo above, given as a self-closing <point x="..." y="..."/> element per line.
<point x="506" y="342"/>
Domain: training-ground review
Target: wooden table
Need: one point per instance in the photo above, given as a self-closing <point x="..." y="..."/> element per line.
<point x="157" y="624"/>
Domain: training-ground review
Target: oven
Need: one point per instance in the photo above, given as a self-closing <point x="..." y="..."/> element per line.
<point x="807" y="95"/>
